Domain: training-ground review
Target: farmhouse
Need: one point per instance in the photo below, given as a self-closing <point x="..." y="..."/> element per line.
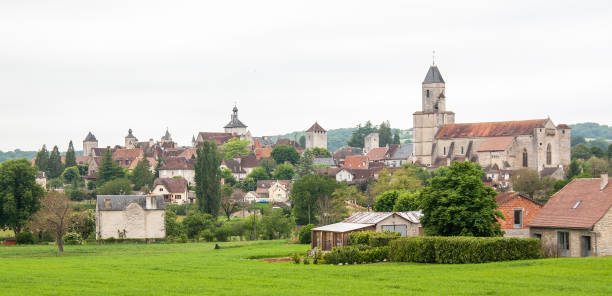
<point x="577" y="220"/>
<point x="518" y="211"/>
<point x="130" y="216"/>
<point x="336" y="235"/>
<point x="174" y="190"/>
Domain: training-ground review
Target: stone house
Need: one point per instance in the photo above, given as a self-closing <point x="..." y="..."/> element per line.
<point x="341" y="154"/>
<point x="41" y="179"/>
<point x="398" y="155"/>
<point x="370" y="142"/>
<point x="336" y="235"/>
<point x="128" y="157"/>
<point x="234" y="165"/>
<point x="518" y="211"/>
<point x="316" y="136"/>
<point x="178" y="167"/>
<point x="130" y="217"/>
<point x="89" y="144"/>
<point x="357" y="162"/>
<point x="377" y="154"/>
<point x="174" y="190"/>
<point x="273" y="191"/>
<point x="577" y="220"/>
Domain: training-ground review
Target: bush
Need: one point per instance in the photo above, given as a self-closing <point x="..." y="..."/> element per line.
<point x="73" y="238"/>
<point x="453" y="250"/>
<point x="306" y="261"/>
<point x="372" y="239"/>
<point x="356" y="254"/>
<point x="207" y="235"/>
<point x="296" y="258"/>
<point x="305" y="234"/>
<point x="24" y="238"/>
<point x="180" y="210"/>
<point x="222" y="233"/>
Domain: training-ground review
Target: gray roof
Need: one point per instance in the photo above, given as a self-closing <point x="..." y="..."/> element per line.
<point x="235" y="122"/>
<point x="265" y="141"/>
<point x="130" y="135"/>
<point x="167" y="136"/>
<point x="403" y="151"/>
<point x="375" y="217"/>
<point x="90" y="138"/>
<point x="324" y="161"/>
<point x="342" y="227"/>
<point x="121" y="202"/>
<point x="433" y="75"/>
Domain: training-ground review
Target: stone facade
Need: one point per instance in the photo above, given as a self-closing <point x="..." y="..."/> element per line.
<point x="412" y="229"/>
<point x="130" y="217"/>
<point x="371" y="141"/>
<point x="130" y="140"/>
<point x="603" y="229"/>
<point x="316" y="136"/>
<point x="89" y="144"/>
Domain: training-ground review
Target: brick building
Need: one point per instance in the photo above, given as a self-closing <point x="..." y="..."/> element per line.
<point x="518" y="211"/>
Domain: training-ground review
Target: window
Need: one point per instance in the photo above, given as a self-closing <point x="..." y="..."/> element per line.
<point x="461" y="149"/>
<point x="585" y="244"/>
<point x="395" y="228"/>
<point x="548" y="155"/>
<point x="577" y="205"/>
<point x="107" y="203"/>
<point x="444" y="151"/>
<point x="427" y="93"/>
<point x="178" y="196"/>
<point x="525" y="158"/>
<point x="518" y="218"/>
<point x="161" y="189"/>
<point x="563" y="243"/>
<point x="537" y="235"/>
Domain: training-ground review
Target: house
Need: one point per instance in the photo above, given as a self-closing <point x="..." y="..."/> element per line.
<point x="217" y="138"/>
<point x="316" y="137"/>
<point x="356" y="162"/>
<point x="341" y="154"/>
<point x="178" y="167"/>
<point x="398" y="155"/>
<point x="577" y="220"/>
<point x="248" y="163"/>
<point x="174" y="190"/>
<point x="234" y="165"/>
<point x="377" y="154"/>
<point x="518" y="211"/>
<point x="324" y="162"/>
<point x="352" y="176"/>
<point x="130" y="217"/>
<point x="336" y="235"/>
<point x="273" y="191"/>
<point x="128" y="158"/>
<point x="251" y="197"/>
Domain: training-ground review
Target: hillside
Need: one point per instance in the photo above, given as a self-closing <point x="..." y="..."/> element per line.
<point x="591" y="130"/>
<point x="337" y="138"/>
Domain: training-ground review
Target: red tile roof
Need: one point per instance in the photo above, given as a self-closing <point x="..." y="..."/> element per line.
<point x="177" y="163"/>
<point x="218" y="138"/>
<point x="127" y="154"/>
<point x="505" y="197"/>
<point x="490" y="129"/>
<point x="495" y="144"/>
<point x="377" y="154"/>
<point x="316" y="128"/>
<point x="249" y="161"/>
<point x="264" y="152"/>
<point x="173" y="185"/>
<point x="356" y="162"/>
<point x="580" y="204"/>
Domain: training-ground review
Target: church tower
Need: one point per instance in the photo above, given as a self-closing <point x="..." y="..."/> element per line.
<point x="316" y="136"/>
<point x="130" y="140"/>
<point x="89" y="143"/>
<point x="432" y="117"/>
<point x="235" y="126"/>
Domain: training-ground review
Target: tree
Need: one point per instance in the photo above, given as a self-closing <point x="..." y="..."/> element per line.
<point x="109" y="170"/>
<point x="460" y="204"/>
<point x="283" y="172"/>
<point x="230" y="202"/>
<point x="331" y="209"/>
<point x="42" y="159"/>
<point x="195" y="223"/>
<point x="121" y="186"/>
<point x="283" y="153"/>
<point x="259" y="173"/>
<point x="581" y="151"/>
<point x="54" y="216"/>
<point x="575" y="140"/>
<point x="349" y="193"/>
<point x="596" y="166"/>
<point x="228" y="177"/>
<point x="276" y="225"/>
<point x="396" y="138"/>
<point x="141" y="175"/>
<point x="160" y="164"/>
<point x="248" y="184"/>
<point x="304" y="166"/>
<point x="596" y="151"/>
<point x="268" y="164"/>
<point x="405" y="179"/>
<point x="71" y="175"/>
<point x="55" y="163"/>
<point x="526" y="181"/>
<point x="407" y="201"/>
<point x="208" y="179"/>
<point x="70" y="156"/>
<point x="305" y="193"/>
<point x="386" y="201"/>
<point x="83" y="223"/>
<point x="385" y="136"/>
<point x="574" y="169"/>
<point x="19" y="193"/>
<point x="357" y="138"/>
<point x="235" y="146"/>
<point x="610" y="152"/>
<point x="319" y="152"/>
<point x="302" y="141"/>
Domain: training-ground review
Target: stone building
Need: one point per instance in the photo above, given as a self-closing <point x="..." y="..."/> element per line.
<point x="316" y="136"/>
<point x="89" y="144"/>
<point x="236" y="127"/>
<point x="370" y="142"/>
<point x="130" y="217"/>
<point x="130" y="140"/>
<point x="577" y="220"/>
<point x="518" y="211"/>
<point x="438" y="140"/>
<point x="174" y="190"/>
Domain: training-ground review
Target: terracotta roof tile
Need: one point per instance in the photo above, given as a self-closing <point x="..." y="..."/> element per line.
<point x="356" y="162"/>
<point x="377" y="154"/>
<point x="173" y="185"/>
<point x="495" y="144"/>
<point x="127" y="154"/>
<point x="177" y="163"/>
<point x="316" y="128"/>
<point x="490" y="129"/>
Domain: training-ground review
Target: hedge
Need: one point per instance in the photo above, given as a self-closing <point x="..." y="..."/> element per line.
<point x="356" y="254"/>
<point x="453" y="250"/>
<point x="372" y="239"/>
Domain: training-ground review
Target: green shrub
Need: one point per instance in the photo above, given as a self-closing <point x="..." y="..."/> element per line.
<point x="24" y="238"/>
<point x="296" y="258"/>
<point x="73" y="238"/>
<point x="453" y="250"/>
<point x="356" y="254"/>
<point x="372" y="239"/>
<point x="305" y="234"/>
<point x="306" y="261"/>
<point x="318" y="257"/>
<point x="222" y="233"/>
<point x="207" y="235"/>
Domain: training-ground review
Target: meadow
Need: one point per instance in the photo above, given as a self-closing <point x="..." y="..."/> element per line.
<point x="199" y="269"/>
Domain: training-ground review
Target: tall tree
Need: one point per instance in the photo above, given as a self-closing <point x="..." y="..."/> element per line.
<point x="142" y="175"/>
<point x="459" y="203"/>
<point x="269" y="164"/>
<point x="54" y="216"/>
<point x="42" y="159"/>
<point x="70" y="156"/>
<point x="283" y="153"/>
<point x="574" y="169"/>
<point x="230" y="202"/>
<point x="109" y="170"/>
<point x="208" y="178"/>
<point x="305" y="195"/>
<point x="526" y="181"/>
<point x="385" y="136"/>
<point x="55" y="163"/>
<point x="396" y="138"/>
<point x="357" y="138"/>
<point x="610" y="152"/>
<point x="405" y="179"/>
<point x="19" y="193"/>
<point x="304" y="166"/>
<point x="302" y="141"/>
<point x="160" y="164"/>
<point x="235" y="146"/>
<point x="284" y="172"/>
<point x="581" y="151"/>
<point x="259" y="173"/>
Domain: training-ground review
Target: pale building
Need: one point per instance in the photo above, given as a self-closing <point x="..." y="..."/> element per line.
<point x="370" y="142"/>
<point x="174" y="190"/>
<point x="316" y="136"/>
<point x="130" y="217"/>
<point x="130" y="140"/>
<point x="89" y="144"/>
<point x="235" y="126"/>
<point x="509" y="145"/>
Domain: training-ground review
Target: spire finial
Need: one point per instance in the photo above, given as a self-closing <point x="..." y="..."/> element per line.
<point x="433" y="57"/>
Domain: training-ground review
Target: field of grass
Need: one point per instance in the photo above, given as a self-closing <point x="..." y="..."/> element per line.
<point x="199" y="269"/>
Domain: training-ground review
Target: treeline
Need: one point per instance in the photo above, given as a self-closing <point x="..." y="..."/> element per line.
<point x="592" y="130"/>
<point x="8" y="155"/>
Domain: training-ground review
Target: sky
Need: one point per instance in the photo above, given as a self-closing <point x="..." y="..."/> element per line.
<point x="70" y="67"/>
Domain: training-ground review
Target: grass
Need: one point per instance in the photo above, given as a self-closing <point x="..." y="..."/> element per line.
<point x="198" y="269"/>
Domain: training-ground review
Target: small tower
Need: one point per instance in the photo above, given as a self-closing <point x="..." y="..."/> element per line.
<point x="316" y="136"/>
<point x="193" y="141"/>
<point x="433" y="116"/>
<point x="89" y="143"/>
<point x="371" y="142"/>
<point x="167" y="137"/>
<point x="130" y="140"/>
<point x="235" y="126"/>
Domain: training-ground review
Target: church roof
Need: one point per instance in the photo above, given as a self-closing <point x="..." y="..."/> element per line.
<point x="90" y="138"/>
<point x="167" y="136"/>
<point x="490" y="129"/>
<point x="235" y="122"/>
<point x="495" y="144"/>
<point x="433" y="75"/>
<point x="130" y="135"/>
<point x="316" y="128"/>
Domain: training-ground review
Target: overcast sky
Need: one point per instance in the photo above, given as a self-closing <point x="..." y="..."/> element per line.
<point x="69" y="67"/>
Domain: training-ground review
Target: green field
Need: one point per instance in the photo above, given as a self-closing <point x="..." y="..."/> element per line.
<point x="198" y="269"/>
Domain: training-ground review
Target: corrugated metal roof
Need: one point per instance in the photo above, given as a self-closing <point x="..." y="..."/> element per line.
<point x="375" y="217"/>
<point x="342" y="227"/>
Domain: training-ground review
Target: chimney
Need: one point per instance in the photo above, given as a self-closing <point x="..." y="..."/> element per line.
<point x="604" y="182"/>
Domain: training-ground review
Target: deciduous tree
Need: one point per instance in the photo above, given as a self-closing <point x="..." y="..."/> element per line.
<point x="121" y="186"/>
<point x="305" y="193"/>
<point x="19" y="193"/>
<point x="235" y="146"/>
<point x="141" y="175"/>
<point x="283" y="172"/>
<point x="526" y="181"/>
<point x="54" y="216"/>
<point x="283" y="153"/>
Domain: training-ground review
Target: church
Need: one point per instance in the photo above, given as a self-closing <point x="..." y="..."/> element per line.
<point x="536" y="144"/>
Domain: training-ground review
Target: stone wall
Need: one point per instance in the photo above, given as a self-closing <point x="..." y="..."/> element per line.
<point x="603" y="228"/>
<point x="550" y="240"/>
<point x="134" y="221"/>
<point x="412" y="229"/>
